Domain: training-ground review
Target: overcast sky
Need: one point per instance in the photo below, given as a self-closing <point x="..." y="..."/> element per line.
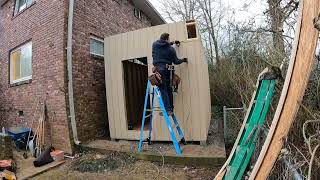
<point x="243" y="9"/>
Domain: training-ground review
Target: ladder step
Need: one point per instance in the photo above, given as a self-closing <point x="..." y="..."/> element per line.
<point x="156" y="92"/>
<point x="148" y="116"/>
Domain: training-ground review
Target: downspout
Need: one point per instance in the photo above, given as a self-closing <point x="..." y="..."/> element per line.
<point x="69" y="69"/>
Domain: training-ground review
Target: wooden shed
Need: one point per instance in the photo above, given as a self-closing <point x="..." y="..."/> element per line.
<point x="128" y="62"/>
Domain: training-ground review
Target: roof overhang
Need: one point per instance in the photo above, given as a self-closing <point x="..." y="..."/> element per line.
<point x="2" y="2"/>
<point x="150" y="11"/>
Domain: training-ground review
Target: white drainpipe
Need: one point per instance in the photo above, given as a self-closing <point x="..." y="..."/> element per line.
<point x="69" y="69"/>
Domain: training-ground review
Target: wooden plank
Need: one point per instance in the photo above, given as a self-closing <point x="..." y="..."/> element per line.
<point x="160" y="125"/>
<point x="203" y="95"/>
<point x="296" y="81"/>
<point x="115" y="87"/>
<point x="186" y="85"/>
<point x="177" y="97"/>
<point x="223" y="169"/>
<point x="184" y="88"/>
<point x="194" y="53"/>
<point x="108" y="84"/>
<point x="205" y="86"/>
<point x="122" y="55"/>
<point x="110" y="88"/>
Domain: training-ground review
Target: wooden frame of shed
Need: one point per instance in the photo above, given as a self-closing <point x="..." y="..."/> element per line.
<point x="125" y="86"/>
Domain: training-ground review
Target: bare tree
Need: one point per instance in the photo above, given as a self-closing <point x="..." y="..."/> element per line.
<point x="177" y="10"/>
<point x="208" y="18"/>
<point x="279" y="13"/>
<point x="207" y="9"/>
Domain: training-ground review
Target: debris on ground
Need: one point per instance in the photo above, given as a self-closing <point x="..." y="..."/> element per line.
<point x="92" y="165"/>
<point x="57" y="155"/>
<point x="7" y="165"/>
<point x="8" y="175"/>
<point x="44" y="158"/>
<point x="100" y="163"/>
<point x="6" y="147"/>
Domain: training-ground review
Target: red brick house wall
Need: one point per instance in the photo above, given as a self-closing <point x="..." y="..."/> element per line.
<point x="100" y="18"/>
<point x="43" y="23"/>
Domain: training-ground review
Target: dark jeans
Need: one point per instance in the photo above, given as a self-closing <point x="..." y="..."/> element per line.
<point x="166" y="90"/>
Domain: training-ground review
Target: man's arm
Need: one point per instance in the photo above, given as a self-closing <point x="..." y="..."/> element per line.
<point x="176" y="60"/>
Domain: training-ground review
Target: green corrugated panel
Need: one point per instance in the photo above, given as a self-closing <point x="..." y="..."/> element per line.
<point x="256" y="118"/>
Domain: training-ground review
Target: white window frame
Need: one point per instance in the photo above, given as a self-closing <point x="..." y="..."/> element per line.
<point x="27" y="3"/>
<point x="137" y="13"/>
<point x="11" y="70"/>
<point x="97" y="39"/>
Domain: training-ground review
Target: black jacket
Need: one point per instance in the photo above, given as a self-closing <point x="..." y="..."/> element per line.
<point x="163" y="53"/>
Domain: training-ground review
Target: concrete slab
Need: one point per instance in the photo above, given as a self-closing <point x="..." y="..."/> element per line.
<point x="195" y="155"/>
<point x="25" y="168"/>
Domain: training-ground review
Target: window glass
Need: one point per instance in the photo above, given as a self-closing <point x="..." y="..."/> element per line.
<point x="29" y="2"/>
<point x="21" y="63"/>
<point x="96" y="46"/>
<point x="22" y="4"/>
<point x="137" y="13"/>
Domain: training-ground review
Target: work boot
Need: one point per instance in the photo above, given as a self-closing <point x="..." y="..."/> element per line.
<point x="170" y="113"/>
<point x="183" y="141"/>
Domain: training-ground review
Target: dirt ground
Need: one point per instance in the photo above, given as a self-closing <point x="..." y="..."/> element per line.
<point x="119" y="166"/>
<point x="92" y="165"/>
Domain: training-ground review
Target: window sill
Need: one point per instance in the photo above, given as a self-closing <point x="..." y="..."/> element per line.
<point x="95" y="56"/>
<point x="20" y="12"/>
<point x="21" y="83"/>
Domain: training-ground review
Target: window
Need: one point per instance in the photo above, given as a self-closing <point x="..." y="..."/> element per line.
<point x="191" y="30"/>
<point x="22" y="4"/>
<point x="21" y="63"/>
<point x="96" y="46"/>
<point x="137" y="13"/>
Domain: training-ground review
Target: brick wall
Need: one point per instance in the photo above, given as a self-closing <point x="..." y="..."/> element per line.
<point x="101" y="18"/>
<point x="44" y="23"/>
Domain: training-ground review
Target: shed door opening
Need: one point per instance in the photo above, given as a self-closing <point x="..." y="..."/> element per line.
<point x="135" y="74"/>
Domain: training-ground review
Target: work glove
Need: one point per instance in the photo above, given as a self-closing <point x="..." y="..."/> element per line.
<point x="185" y="60"/>
<point x="175" y="42"/>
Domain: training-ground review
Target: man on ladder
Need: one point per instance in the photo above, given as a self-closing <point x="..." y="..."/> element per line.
<point x="164" y="55"/>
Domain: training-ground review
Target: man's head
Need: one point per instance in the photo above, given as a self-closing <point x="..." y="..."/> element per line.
<point x="165" y="37"/>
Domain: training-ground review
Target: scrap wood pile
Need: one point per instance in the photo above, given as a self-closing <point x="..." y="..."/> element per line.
<point x="21" y="138"/>
<point x="7" y="167"/>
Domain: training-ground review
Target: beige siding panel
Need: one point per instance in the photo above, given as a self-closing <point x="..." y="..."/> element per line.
<point x="204" y="95"/>
<point x="121" y="92"/>
<point x="107" y="50"/>
<point x="160" y="125"/>
<point x="194" y="90"/>
<point x="114" y="95"/>
<point x="192" y="103"/>
<point x="182" y="51"/>
<point x="158" y="121"/>
<point x="178" y="97"/>
<point x="185" y="91"/>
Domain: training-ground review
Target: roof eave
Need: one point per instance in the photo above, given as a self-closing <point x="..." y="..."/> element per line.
<point x="150" y="11"/>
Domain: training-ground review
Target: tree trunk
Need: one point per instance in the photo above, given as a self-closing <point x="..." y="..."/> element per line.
<point x="276" y="15"/>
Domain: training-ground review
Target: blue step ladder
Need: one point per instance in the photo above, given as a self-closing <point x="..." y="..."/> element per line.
<point x="156" y="91"/>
